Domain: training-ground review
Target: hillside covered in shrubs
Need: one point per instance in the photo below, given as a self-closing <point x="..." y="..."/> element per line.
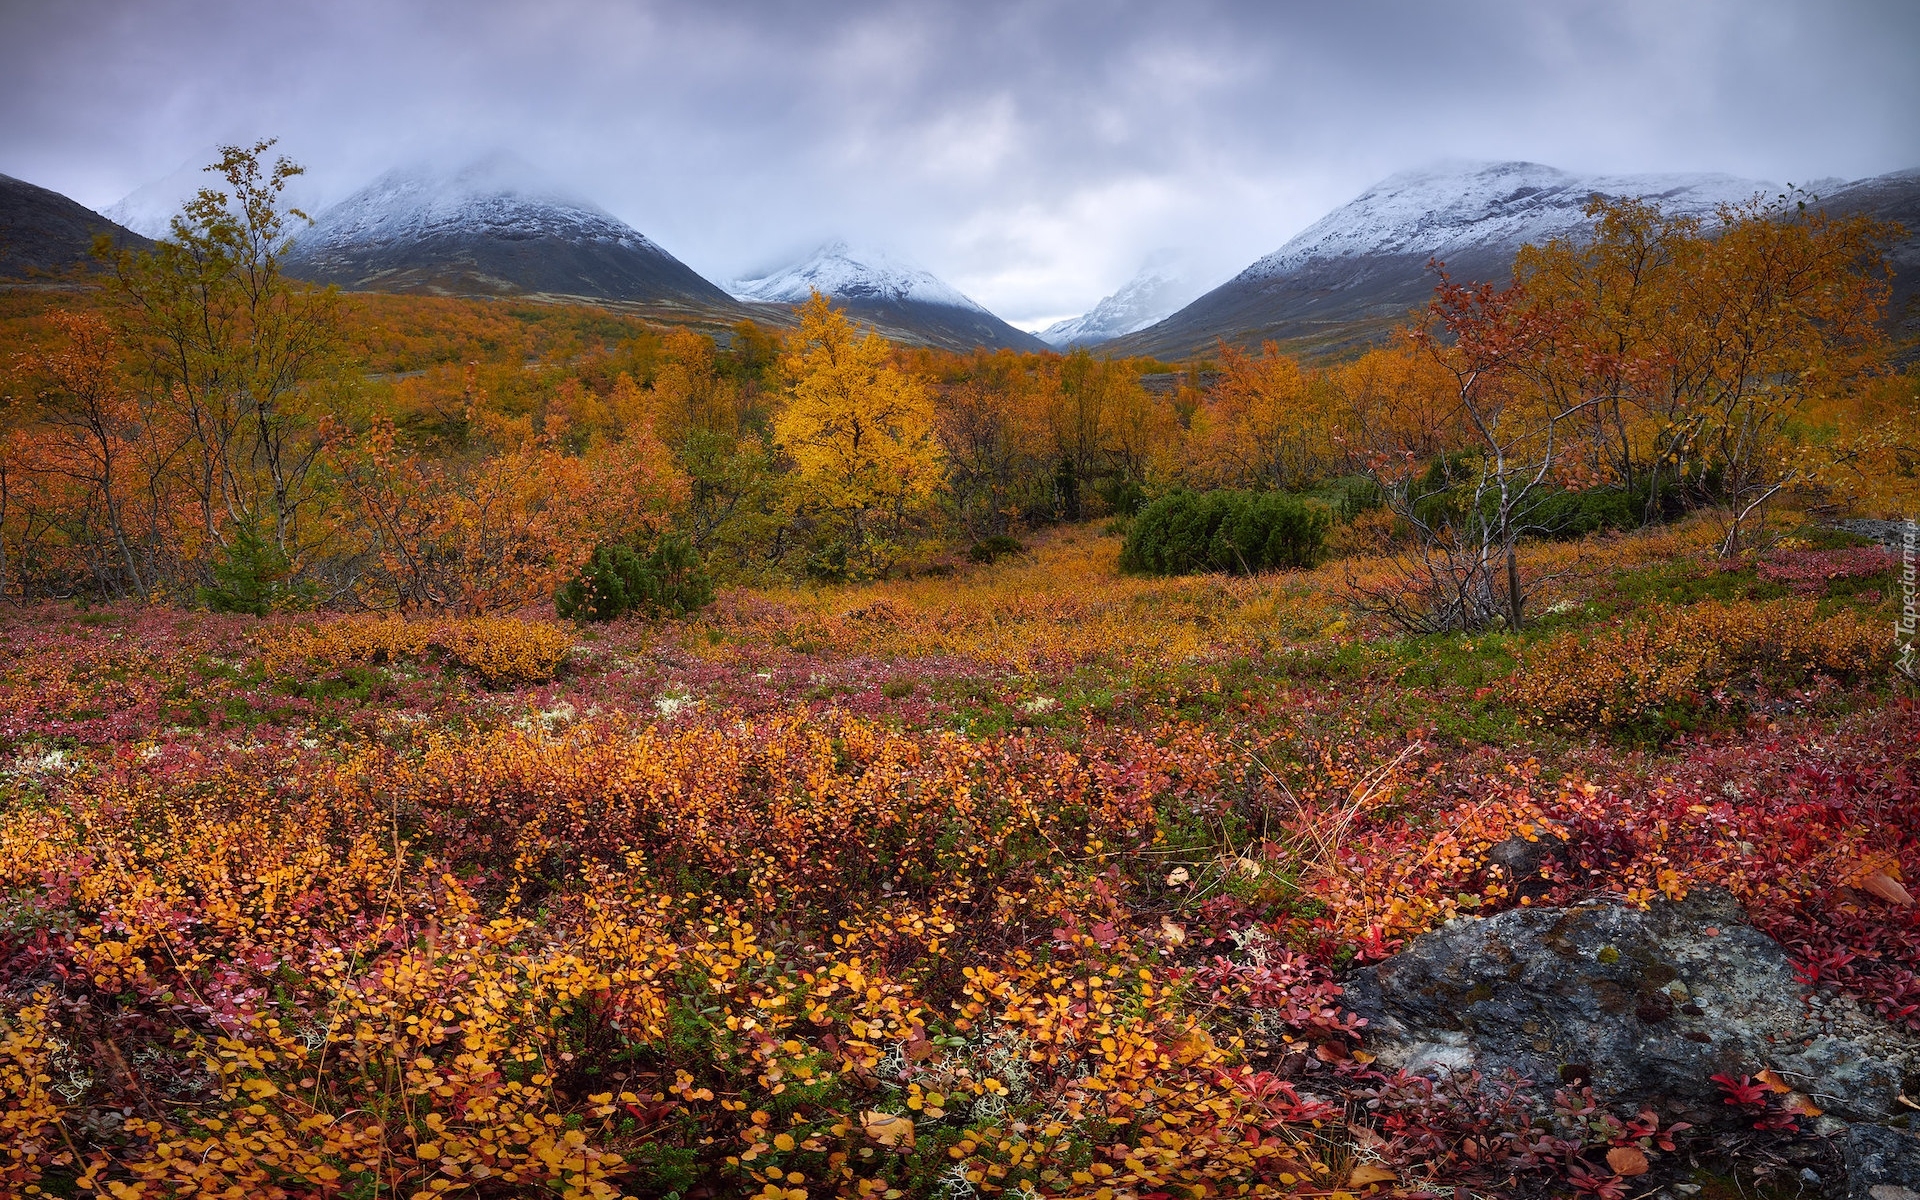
<point x="498" y="749"/>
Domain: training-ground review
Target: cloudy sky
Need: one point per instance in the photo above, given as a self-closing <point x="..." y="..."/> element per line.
<point x="1031" y="153"/>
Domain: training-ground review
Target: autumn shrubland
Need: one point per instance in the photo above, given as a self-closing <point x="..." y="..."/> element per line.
<point x="335" y="863"/>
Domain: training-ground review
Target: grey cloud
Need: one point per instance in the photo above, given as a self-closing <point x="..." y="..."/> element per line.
<point x="1031" y="153"/>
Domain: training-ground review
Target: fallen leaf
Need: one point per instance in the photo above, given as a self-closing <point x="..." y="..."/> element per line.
<point x="1800" y="1104"/>
<point x="1773" y="1081"/>
<point x="1365" y="1138"/>
<point x="1331" y="1052"/>
<point x="1174" y="933"/>
<point x="1177" y="876"/>
<point x="1367" y="1173"/>
<point x="1627" y="1160"/>
<point x="888" y="1129"/>
<point x="1887" y="888"/>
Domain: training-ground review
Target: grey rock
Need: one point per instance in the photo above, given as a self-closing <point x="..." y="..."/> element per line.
<point x="1848" y="1077"/>
<point x="1882" y="1163"/>
<point x="1891" y="534"/>
<point x="1647" y="1005"/>
<point x="1522" y="860"/>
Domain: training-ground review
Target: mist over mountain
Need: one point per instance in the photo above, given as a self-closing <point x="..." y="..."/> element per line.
<point x="490" y="228"/>
<point x="495" y="227"/>
<point x="1162" y="287"/>
<point x="899" y="299"/>
<point x="149" y="209"/>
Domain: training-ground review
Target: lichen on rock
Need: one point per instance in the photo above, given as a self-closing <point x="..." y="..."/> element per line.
<point x="1647" y="1005"/>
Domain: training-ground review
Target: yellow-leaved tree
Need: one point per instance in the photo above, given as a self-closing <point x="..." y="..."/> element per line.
<point x="860" y="433"/>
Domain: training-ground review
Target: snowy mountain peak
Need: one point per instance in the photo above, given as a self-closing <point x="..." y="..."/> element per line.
<point x="498" y="196"/>
<point x="1162" y="286"/>
<point x="1449" y="207"/>
<point x="840" y="272"/>
<point x="149" y="209"/>
<point x="490" y="227"/>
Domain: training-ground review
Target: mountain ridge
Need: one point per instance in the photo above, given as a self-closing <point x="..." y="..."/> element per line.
<point x="486" y="229"/>
<point x="901" y="300"/>
<point x="1348" y="279"/>
<point x="1159" y="289"/>
<point x="494" y="228"/>
<point x="44" y="234"/>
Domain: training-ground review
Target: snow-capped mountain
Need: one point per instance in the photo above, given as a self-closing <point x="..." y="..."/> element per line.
<point x="1161" y="288"/>
<point x="1445" y="211"/>
<point x="839" y="272"/>
<point x="149" y="209"/>
<point x="489" y="228"/>
<point x="899" y="299"/>
<point x="1354" y="273"/>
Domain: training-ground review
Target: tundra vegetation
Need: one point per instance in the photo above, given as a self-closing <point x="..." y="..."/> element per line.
<point x="963" y="775"/>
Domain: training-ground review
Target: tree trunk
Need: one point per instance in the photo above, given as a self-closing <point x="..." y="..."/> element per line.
<point x="1514" y="598"/>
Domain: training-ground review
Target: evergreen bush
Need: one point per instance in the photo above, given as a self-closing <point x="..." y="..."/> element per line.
<point x="995" y="548"/>
<point x="1238" y="532"/>
<point x="619" y="579"/>
<point x="1570" y="515"/>
<point x="249" y="576"/>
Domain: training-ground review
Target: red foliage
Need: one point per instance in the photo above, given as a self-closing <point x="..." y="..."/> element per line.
<point x="1809" y="571"/>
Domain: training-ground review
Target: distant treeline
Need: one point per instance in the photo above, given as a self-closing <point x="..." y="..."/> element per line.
<point x="204" y="429"/>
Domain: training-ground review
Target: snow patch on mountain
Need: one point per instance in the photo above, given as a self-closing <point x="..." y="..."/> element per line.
<point x="1446" y="209"/>
<point x="1162" y="287"/>
<point x="494" y="197"/>
<point x="840" y="272"/>
<point x="149" y="209"/>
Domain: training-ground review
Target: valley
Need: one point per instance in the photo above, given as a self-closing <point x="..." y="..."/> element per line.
<point x="493" y="228"/>
<point x="487" y="710"/>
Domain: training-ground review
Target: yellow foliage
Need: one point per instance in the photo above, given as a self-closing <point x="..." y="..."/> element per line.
<point x="28" y="1111"/>
<point x="858" y="429"/>
<point x="1680" y="657"/>
<point x="499" y="649"/>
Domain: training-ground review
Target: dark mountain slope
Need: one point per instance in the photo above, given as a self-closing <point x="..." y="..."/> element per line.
<point x="44" y="235"/>
<point x="1891" y="197"/>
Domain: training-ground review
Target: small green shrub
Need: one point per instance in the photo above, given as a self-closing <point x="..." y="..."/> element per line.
<point x="1124" y="497"/>
<point x="1238" y="532"/>
<point x="1356" y="494"/>
<point x="619" y="579"/>
<point x="1571" y="515"/>
<point x="995" y="548"/>
<point x="1444" y="494"/>
<point x="1566" y="516"/>
<point x="250" y="576"/>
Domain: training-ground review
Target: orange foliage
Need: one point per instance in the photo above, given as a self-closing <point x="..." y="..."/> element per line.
<point x="503" y="531"/>
<point x="429" y="1035"/>
<point x="499" y="649"/>
<point x="1664" y="663"/>
<point x="328" y="922"/>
